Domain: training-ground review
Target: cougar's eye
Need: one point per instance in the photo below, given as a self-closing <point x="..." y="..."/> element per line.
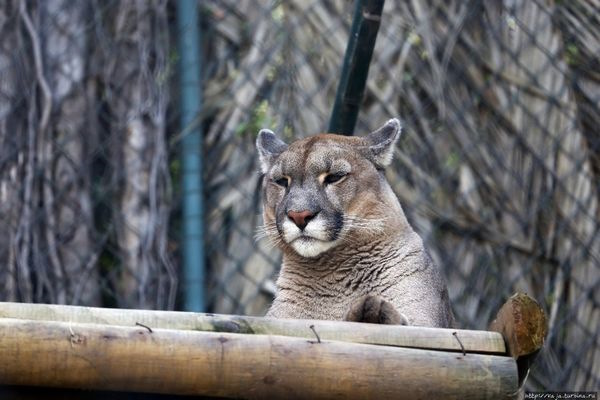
<point x="283" y="182"/>
<point x="333" y="178"/>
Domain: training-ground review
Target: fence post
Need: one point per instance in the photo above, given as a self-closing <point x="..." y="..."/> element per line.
<point x="365" y="24"/>
<point x="191" y="153"/>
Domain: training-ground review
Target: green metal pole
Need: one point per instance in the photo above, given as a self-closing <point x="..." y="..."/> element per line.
<point x="365" y="24"/>
<point x="191" y="152"/>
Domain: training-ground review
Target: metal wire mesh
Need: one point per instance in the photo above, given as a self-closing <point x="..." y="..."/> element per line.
<point x="498" y="168"/>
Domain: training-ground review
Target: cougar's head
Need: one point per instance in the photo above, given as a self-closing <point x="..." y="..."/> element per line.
<point x="325" y="190"/>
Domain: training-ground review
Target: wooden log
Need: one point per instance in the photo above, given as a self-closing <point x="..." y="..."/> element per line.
<point x="523" y="324"/>
<point x="401" y="336"/>
<point x="93" y="356"/>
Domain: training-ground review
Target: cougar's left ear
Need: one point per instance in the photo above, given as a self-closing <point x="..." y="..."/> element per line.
<point x="383" y="141"/>
<point x="269" y="147"/>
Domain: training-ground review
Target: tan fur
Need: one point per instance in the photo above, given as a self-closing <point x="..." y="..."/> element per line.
<point x="376" y="255"/>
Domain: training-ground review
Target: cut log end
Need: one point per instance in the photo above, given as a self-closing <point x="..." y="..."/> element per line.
<point x="524" y="326"/>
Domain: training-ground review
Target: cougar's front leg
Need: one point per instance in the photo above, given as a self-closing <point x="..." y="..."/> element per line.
<point x="375" y="310"/>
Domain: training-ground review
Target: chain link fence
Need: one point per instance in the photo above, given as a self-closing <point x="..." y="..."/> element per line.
<point x="498" y="167"/>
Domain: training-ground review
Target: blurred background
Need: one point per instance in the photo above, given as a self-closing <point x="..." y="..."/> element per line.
<point x="498" y="167"/>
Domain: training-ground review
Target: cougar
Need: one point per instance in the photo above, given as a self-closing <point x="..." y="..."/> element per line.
<point x="349" y="252"/>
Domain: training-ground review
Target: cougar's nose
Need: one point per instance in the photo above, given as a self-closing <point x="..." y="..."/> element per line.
<point x="301" y="218"/>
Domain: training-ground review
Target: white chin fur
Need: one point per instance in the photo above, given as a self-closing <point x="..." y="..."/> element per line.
<point x="310" y="248"/>
<point x="310" y="243"/>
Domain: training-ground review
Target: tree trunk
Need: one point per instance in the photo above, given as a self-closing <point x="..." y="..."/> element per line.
<point x="44" y="186"/>
<point x="13" y="156"/>
<point x="135" y="78"/>
<point x="66" y="186"/>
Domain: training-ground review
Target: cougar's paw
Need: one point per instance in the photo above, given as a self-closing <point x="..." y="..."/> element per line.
<point x="375" y="310"/>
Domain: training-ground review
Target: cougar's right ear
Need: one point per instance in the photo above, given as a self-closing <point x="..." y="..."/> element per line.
<point x="269" y="147"/>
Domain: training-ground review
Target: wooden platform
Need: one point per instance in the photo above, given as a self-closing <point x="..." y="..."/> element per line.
<point x="246" y="357"/>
